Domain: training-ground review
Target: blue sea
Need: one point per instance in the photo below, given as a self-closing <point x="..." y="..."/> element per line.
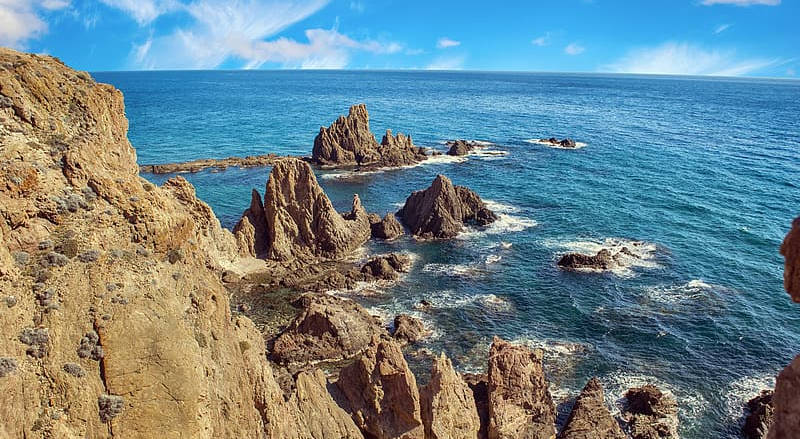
<point x="704" y="171"/>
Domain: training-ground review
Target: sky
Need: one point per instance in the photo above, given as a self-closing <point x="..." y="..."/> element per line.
<point x="685" y="37"/>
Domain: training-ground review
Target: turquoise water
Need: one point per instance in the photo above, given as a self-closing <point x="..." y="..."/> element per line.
<point x="705" y="171"/>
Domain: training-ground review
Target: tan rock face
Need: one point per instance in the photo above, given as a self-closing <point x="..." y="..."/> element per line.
<point x="317" y="410"/>
<point x="382" y="393"/>
<point x="441" y="211"/>
<point x="650" y="413"/>
<point x="448" y="407"/>
<point x="791" y="251"/>
<point x="385" y="228"/>
<point x="251" y="230"/>
<point x="520" y="406"/>
<point x="590" y="417"/>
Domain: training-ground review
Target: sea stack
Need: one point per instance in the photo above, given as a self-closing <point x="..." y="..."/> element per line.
<point x="348" y="142"/>
<point x="442" y="210"/>
<point x="590" y="418"/>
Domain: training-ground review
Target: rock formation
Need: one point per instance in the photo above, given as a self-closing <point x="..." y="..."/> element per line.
<point x="299" y="221"/>
<point x="564" y="143"/>
<point x="790" y="249"/>
<point x="520" y="406"/>
<point x="479" y="385"/>
<point x="760" y="415"/>
<point x="387" y="228"/>
<point x="460" y="147"/>
<point x="319" y="413"/>
<point x="349" y="142"/>
<point x="253" y="161"/>
<point x="441" y="211"/>
<point x="408" y="329"/>
<point x="590" y="418"/>
<point x="381" y="393"/>
<point x="384" y="267"/>
<point x="448" y="407"/>
<point x="605" y="259"/>
<point x="650" y="413"/>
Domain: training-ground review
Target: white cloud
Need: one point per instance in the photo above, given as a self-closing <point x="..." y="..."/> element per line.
<point x="542" y="41"/>
<point x="790" y="72"/>
<point x="446" y="63"/>
<point x="144" y="11"/>
<point x="742" y="2"/>
<point x="687" y="59"/>
<point x="574" y="49"/>
<point x="357" y="6"/>
<point x="20" y="20"/>
<point x="445" y="43"/>
<point x="722" y="28"/>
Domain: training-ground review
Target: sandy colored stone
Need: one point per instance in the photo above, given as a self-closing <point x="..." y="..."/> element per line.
<point x="447" y="403"/>
<point x="590" y="417"/>
<point x="320" y="414"/>
<point x="790" y="249"/>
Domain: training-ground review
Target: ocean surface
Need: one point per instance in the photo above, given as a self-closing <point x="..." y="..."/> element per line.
<point x="705" y="172"/>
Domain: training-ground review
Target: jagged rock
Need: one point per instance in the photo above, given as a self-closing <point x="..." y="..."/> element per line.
<point x="448" y="407"/>
<point x="650" y="413"/>
<point x="790" y="249"/>
<point x="299" y="221"/>
<point x="590" y="418"/>
<point x="318" y="411"/>
<point x="564" y="143"/>
<point x="408" y="329"/>
<point x="387" y="228"/>
<point x="479" y="385"/>
<point x="251" y="230"/>
<point x="381" y="393"/>
<point x="520" y="406"/>
<point x="327" y="328"/>
<point x="385" y="267"/>
<point x="605" y="259"/>
<point x="349" y="142"/>
<point x="461" y="147"/>
<point x="760" y="415"/>
<point x="442" y="210"/>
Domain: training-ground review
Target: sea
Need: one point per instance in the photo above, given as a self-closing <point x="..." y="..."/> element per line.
<point x="700" y="176"/>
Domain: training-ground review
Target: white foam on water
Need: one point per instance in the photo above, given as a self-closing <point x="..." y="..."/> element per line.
<point x="690" y="404"/>
<point x="744" y="389"/>
<point x="644" y="253"/>
<point x="498" y="207"/>
<point x="681" y="294"/>
<point x="449" y="299"/>
<point x="505" y="223"/>
<point x="457" y="270"/>
<point x="492" y="259"/>
<point x="578" y="145"/>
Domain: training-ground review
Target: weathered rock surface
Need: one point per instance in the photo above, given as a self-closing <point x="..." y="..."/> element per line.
<point x="387" y="228"/>
<point x="251" y="230"/>
<point x="650" y="413"/>
<point x="447" y="403"/>
<point x="441" y="211"/>
<point x="382" y="393"/>
<point x="564" y="143"/>
<point x="461" y="147"/>
<point x="323" y="418"/>
<point x="790" y="249"/>
<point x="520" y="406"/>
<point x="349" y="142"/>
<point x="760" y="415"/>
<point x="253" y="161"/>
<point x="605" y="259"/>
<point x="408" y="329"/>
<point x="590" y="418"/>
<point x="327" y="328"/>
<point x="479" y="385"/>
<point x="384" y="267"/>
<point x="299" y="221"/>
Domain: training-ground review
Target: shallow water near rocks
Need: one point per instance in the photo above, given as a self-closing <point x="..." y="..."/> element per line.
<point x="703" y="172"/>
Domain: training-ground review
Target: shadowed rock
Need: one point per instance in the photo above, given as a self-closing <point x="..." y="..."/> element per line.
<point x="650" y="413"/>
<point x="461" y="147"/>
<point x="790" y="249"/>
<point x="760" y="415"/>
<point x="590" y="418"/>
<point x="605" y="259"/>
<point x="408" y="329"/>
<point x="448" y="407"/>
<point x="387" y="228"/>
<point x="323" y="418"/>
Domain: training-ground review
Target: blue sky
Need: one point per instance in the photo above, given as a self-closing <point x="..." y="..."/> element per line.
<point x="705" y="37"/>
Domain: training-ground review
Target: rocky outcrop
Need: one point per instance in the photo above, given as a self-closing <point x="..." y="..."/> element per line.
<point x="563" y="143"/>
<point x="520" y="406"/>
<point x="790" y="249"/>
<point x="448" y="407"/>
<point x="253" y="161"/>
<point x="461" y="147"/>
<point x="590" y="418"/>
<point x="349" y="142"/>
<point x="299" y="221"/>
<point x="760" y="415"/>
<point x="605" y="259"/>
<point x="251" y="230"/>
<point x="326" y="329"/>
<point x="387" y="228"/>
<point x="441" y="211"/>
<point x="650" y="414"/>
<point x="323" y="418"/>
<point x="479" y="385"/>
<point x="384" y="267"/>
<point x="408" y="329"/>
<point x="381" y="393"/>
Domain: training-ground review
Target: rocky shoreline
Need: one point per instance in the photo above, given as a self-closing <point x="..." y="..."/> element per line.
<point x="130" y="312"/>
<point x="255" y="161"/>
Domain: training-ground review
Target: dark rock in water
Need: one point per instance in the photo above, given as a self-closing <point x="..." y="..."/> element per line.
<point x="760" y="415"/>
<point x="408" y="329"/>
<point x="385" y="267"/>
<point x="650" y="414"/>
<point x="564" y="143"/>
<point x="479" y="384"/>
<point x="520" y="406"/>
<point x="441" y="211"/>
<point x="601" y="261"/>
<point x="567" y="143"/>
<point x="349" y="142"/>
<point x="387" y="228"/>
<point x="590" y="418"/>
<point x="460" y="147"/>
<point x="327" y="328"/>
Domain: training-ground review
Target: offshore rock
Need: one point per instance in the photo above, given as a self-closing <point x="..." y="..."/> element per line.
<point x="349" y="142"/>
<point x="408" y="329"/>
<point x="384" y="267"/>
<point x="448" y="407"/>
<point x="520" y="406"/>
<point x="381" y="393"/>
<point x="461" y="147"/>
<point x="760" y="416"/>
<point x="251" y="230"/>
<point x="605" y="259"/>
<point x="564" y="143"/>
<point x="590" y="418"/>
<point x="650" y="413"/>
<point x="441" y="211"/>
<point x="387" y="228"/>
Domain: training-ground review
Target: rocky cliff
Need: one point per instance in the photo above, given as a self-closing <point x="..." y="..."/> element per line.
<point x="349" y="142"/>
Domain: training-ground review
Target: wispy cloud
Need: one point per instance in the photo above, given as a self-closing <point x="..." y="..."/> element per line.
<point x="446" y="63"/>
<point x="357" y="6"/>
<point x="542" y="41"/>
<point x="445" y="43"/>
<point x="145" y="11"/>
<point x="722" y="28"/>
<point x="742" y="2"/>
<point x="574" y="49"/>
<point x="687" y="59"/>
<point x="21" y="20"/>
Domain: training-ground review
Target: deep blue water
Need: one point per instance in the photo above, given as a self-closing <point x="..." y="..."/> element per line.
<point x="705" y="171"/>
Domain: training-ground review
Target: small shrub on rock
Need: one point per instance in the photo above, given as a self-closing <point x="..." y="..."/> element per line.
<point x="37" y="340"/>
<point x="11" y="301"/>
<point x="174" y="255"/>
<point x="90" y="347"/>
<point x="74" y="369"/>
<point x="7" y="366"/>
<point x="21" y="258"/>
<point x="54" y="259"/>
<point x="89" y="256"/>
<point x="110" y="406"/>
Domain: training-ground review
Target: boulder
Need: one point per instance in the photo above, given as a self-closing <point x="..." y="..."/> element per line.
<point x="520" y="406"/>
<point x="408" y="329"/>
<point x="448" y="407"/>
<point x="760" y="415"/>
<point x="349" y="142"/>
<point x="605" y="259"/>
<point x="326" y="329"/>
<point x="650" y="414"/>
<point x="384" y="267"/>
<point x="441" y="211"/>
<point x="564" y="143"/>
<point x="387" y="228"/>
<point x="590" y="417"/>
<point x="460" y="147"/>
<point x="381" y="393"/>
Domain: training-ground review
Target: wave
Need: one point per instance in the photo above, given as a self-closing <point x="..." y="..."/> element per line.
<point x="742" y="390"/>
<point x="578" y="145"/>
<point x="449" y="299"/>
<point x="493" y="259"/>
<point x="642" y="253"/>
<point x="456" y="270"/>
<point x="505" y="223"/>
<point x="690" y="404"/>
<point x="689" y="292"/>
